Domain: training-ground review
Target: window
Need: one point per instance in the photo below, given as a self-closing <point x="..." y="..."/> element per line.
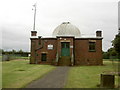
<point x="65" y="45"/>
<point x="91" y="46"/>
<point x="44" y="57"/>
<point x="36" y="54"/>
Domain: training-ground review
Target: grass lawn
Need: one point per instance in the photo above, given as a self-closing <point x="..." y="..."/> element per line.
<point x="22" y="57"/>
<point x="18" y="73"/>
<point x="0" y="74"/>
<point x="0" y="58"/>
<point x="89" y="76"/>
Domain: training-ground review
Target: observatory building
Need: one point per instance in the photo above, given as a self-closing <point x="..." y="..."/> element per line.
<point x="66" y="47"/>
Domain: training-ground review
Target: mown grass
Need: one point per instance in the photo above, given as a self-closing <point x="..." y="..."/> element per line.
<point x="111" y="59"/>
<point x="0" y="58"/>
<point x="22" y="57"/>
<point x="18" y="73"/>
<point x="0" y="74"/>
<point x="89" y="76"/>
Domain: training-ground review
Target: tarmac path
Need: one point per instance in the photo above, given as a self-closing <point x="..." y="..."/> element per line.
<point x="54" y="79"/>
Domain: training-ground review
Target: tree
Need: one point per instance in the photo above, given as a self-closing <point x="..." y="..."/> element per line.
<point x="105" y="55"/>
<point x="13" y="51"/>
<point x="1" y="50"/>
<point x="113" y="53"/>
<point x="116" y="43"/>
<point x="110" y="53"/>
<point x="20" y="51"/>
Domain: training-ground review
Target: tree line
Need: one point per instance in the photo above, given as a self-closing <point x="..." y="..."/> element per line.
<point x="110" y="53"/>
<point x="13" y="51"/>
<point x="115" y="50"/>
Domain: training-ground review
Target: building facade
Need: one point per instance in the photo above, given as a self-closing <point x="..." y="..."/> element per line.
<point x="66" y="47"/>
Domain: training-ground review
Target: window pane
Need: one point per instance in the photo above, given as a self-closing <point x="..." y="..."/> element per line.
<point x="92" y="46"/>
<point x="44" y="57"/>
<point x="67" y="45"/>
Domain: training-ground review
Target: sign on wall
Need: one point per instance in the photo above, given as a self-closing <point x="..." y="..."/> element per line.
<point x="50" y="47"/>
<point x="71" y="46"/>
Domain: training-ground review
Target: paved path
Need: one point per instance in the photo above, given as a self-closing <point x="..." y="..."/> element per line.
<point x="54" y="79"/>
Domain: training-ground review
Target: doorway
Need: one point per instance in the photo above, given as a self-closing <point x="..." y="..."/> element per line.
<point x="65" y="48"/>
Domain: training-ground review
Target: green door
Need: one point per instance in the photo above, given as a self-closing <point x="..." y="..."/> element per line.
<point x="65" y="49"/>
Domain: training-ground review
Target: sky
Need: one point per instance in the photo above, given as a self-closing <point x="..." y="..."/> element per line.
<point x="16" y="21"/>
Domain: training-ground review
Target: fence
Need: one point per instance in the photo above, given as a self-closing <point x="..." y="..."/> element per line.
<point x="8" y="57"/>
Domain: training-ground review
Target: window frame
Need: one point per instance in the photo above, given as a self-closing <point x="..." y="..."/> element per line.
<point x="92" y="46"/>
<point x="42" y="57"/>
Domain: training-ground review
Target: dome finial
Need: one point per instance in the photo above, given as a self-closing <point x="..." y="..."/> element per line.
<point x="66" y="23"/>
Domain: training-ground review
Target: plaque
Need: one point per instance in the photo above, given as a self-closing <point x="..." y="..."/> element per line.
<point x="50" y="47"/>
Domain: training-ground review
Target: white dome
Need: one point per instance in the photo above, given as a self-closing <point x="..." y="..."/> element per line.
<point x="66" y="29"/>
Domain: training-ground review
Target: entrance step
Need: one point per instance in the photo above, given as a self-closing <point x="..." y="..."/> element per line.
<point x="64" y="61"/>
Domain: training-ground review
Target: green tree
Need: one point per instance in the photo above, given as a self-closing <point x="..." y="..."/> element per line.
<point x="112" y="52"/>
<point x="105" y="55"/>
<point x="20" y="51"/>
<point x="116" y="43"/>
<point x="1" y="50"/>
<point x="13" y="51"/>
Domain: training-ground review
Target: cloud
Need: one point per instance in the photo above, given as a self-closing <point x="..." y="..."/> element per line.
<point x="119" y="14"/>
<point x="13" y="37"/>
<point x="17" y="20"/>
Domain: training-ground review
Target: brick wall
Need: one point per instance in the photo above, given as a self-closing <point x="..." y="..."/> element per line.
<point x="43" y="48"/>
<point x="84" y="57"/>
<point x="33" y="47"/>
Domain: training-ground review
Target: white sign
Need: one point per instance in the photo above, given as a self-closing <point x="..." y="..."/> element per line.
<point x="71" y="46"/>
<point x="50" y="46"/>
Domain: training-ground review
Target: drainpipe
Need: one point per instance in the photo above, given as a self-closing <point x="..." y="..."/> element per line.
<point x="72" y="58"/>
<point x="57" y="57"/>
<point x="41" y="46"/>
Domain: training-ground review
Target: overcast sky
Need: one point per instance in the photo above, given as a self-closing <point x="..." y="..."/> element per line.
<point x="88" y="15"/>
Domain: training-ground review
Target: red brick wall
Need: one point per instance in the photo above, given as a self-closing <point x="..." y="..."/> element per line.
<point x="84" y="57"/>
<point x="51" y="54"/>
<point x="33" y="47"/>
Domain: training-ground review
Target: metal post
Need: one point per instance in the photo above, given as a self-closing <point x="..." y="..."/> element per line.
<point x="34" y="15"/>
